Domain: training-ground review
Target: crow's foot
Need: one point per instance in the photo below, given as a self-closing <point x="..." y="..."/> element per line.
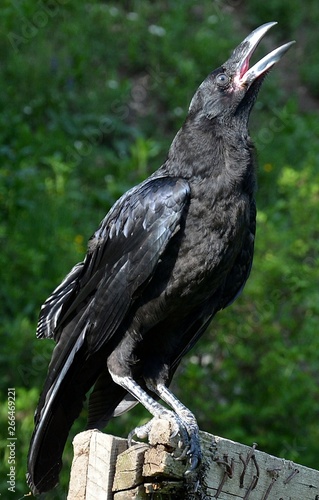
<point x="182" y="425"/>
<point x="192" y="451"/>
<point x="176" y="426"/>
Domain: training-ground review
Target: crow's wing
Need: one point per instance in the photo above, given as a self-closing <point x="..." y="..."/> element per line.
<point x="122" y="255"/>
<point x="86" y="310"/>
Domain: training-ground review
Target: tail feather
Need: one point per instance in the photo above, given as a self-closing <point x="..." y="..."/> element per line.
<point x="45" y="456"/>
<point x="60" y="404"/>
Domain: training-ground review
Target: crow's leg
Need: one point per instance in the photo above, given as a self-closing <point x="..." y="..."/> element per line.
<point x="193" y="449"/>
<point x="155" y="408"/>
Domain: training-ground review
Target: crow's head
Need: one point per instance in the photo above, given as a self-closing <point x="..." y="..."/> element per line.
<point x="231" y="90"/>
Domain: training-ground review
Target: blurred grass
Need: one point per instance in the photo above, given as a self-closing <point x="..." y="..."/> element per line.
<point x="91" y="95"/>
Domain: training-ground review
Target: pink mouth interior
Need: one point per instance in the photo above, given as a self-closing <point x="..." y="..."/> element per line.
<point x="244" y="67"/>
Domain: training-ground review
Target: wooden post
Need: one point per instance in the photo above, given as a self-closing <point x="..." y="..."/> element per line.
<point x="104" y="468"/>
<point x="93" y="465"/>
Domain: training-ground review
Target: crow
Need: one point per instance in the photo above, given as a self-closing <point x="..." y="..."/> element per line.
<point x="169" y="255"/>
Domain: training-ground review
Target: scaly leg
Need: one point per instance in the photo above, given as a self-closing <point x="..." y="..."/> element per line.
<point x="155" y="409"/>
<point x="182" y="420"/>
<point x="188" y="420"/>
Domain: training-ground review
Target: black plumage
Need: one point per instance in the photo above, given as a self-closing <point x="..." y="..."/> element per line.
<point x="171" y="253"/>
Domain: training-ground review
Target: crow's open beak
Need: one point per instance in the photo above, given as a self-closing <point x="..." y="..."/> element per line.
<point x="243" y="53"/>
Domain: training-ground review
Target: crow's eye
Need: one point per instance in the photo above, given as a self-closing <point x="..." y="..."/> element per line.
<point x="222" y="80"/>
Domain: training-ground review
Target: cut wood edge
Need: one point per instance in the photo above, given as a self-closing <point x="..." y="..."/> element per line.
<point x="93" y="465"/>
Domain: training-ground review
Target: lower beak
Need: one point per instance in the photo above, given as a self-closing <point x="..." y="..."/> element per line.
<point x="247" y="75"/>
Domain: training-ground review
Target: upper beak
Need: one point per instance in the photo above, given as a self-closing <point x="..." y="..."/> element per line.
<point x="247" y="75"/>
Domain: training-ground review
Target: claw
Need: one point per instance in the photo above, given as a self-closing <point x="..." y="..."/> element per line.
<point x="130" y="438"/>
<point x="183" y="455"/>
<point x="180" y="445"/>
<point x="174" y="434"/>
<point x="194" y="462"/>
<point x="195" y="459"/>
<point x="140" y="432"/>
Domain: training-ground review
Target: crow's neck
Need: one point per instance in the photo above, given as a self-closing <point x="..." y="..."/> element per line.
<point x="213" y="152"/>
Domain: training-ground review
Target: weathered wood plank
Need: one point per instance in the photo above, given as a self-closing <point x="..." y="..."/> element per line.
<point x="230" y="471"/>
<point x="254" y="474"/>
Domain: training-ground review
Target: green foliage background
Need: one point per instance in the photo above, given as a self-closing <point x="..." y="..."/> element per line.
<point x="91" y="95"/>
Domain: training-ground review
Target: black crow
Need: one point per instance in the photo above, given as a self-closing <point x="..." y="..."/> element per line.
<point x="171" y="252"/>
